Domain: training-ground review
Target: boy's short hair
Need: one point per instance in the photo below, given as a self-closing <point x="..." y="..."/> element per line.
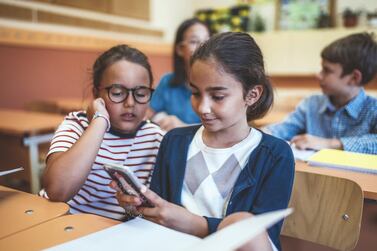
<point x="356" y="51"/>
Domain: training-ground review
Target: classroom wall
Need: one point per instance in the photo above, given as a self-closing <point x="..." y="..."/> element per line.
<point x="267" y="9"/>
<point x="168" y="14"/>
<point x="32" y="73"/>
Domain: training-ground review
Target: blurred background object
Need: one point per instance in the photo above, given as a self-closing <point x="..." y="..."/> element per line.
<point x="350" y="17"/>
<point x="226" y="19"/>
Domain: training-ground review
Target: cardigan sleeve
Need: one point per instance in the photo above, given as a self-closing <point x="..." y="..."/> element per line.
<point x="213" y="223"/>
<point x="276" y="187"/>
<point x="159" y="172"/>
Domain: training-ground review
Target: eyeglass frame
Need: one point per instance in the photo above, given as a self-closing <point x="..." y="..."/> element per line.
<point x="132" y="90"/>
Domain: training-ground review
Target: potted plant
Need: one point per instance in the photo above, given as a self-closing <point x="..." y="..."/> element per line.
<point x="350" y="17"/>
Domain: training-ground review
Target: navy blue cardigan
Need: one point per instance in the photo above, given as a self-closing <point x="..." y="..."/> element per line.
<point x="265" y="184"/>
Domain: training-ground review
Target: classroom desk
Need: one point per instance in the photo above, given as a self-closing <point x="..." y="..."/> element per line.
<point x="20" y="211"/>
<point x="367" y="182"/>
<point x="56" y="231"/>
<point x="58" y="105"/>
<point x="21" y="132"/>
<point x="271" y="118"/>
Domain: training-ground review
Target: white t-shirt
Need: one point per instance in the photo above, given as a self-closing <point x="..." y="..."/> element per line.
<point x="212" y="172"/>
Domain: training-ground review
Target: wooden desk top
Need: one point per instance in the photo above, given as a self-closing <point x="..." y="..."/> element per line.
<point x="271" y="118"/>
<point x="67" y="105"/>
<point x="20" y="211"/>
<point x="25" y="123"/>
<point x="367" y="182"/>
<point x="57" y="231"/>
<point x="58" y="105"/>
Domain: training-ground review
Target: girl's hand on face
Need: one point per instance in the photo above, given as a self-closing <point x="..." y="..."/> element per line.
<point x="98" y="105"/>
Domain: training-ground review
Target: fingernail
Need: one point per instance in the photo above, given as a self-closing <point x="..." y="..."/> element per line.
<point x="143" y="189"/>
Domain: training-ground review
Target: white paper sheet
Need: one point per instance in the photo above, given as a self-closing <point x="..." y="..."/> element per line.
<point x="241" y="232"/>
<point x="303" y="155"/>
<point x="140" y="234"/>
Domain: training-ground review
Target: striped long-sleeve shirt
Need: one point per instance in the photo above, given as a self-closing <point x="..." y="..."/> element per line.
<point x="138" y="151"/>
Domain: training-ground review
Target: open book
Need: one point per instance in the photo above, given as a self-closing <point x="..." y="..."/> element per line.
<point x="140" y="234"/>
<point x="359" y="162"/>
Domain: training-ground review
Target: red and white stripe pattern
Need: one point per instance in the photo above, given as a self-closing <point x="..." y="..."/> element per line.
<point x="138" y="152"/>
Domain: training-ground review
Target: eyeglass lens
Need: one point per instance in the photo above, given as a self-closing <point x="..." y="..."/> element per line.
<point x="118" y="93"/>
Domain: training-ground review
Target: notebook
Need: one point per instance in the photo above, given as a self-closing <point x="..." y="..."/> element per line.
<point x="358" y="162"/>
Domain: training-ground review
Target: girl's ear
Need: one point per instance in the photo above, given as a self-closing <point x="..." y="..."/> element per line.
<point x="253" y="95"/>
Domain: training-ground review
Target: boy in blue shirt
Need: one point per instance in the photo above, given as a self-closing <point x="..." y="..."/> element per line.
<point x="344" y="117"/>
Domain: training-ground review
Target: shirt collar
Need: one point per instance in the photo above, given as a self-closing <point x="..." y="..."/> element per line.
<point x="353" y="107"/>
<point x="127" y="135"/>
<point x="326" y="106"/>
<point x="356" y="104"/>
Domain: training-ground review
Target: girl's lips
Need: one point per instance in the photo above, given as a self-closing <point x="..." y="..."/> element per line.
<point x="127" y="116"/>
<point x="208" y="120"/>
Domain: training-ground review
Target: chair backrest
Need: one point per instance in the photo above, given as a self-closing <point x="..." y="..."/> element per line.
<point x="327" y="210"/>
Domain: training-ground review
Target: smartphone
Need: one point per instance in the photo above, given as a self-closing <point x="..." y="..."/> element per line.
<point x="127" y="181"/>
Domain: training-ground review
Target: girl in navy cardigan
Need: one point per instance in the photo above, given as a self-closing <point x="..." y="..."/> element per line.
<point x="204" y="173"/>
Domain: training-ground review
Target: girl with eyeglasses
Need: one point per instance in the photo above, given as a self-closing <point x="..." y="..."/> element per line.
<point x="170" y="106"/>
<point x="114" y="131"/>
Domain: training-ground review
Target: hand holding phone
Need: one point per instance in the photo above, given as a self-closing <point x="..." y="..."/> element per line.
<point x="127" y="182"/>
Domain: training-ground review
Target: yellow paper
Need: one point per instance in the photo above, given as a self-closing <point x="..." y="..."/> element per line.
<point x="346" y="160"/>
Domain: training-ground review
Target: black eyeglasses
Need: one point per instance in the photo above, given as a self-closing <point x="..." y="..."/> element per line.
<point x="118" y="93"/>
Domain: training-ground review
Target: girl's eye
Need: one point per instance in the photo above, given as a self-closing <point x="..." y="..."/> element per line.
<point x="218" y="97"/>
<point x="141" y="95"/>
<point x="195" y="94"/>
<point x="116" y="93"/>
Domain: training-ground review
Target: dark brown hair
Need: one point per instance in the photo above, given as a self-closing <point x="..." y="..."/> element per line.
<point x="357" y="51"/>
<point x="179" y="69"/>
<point x="239" y="55"/>
<point x="113" y="55"/>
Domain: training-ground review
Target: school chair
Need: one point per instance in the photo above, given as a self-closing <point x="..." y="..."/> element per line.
<point x="327" y="211"/>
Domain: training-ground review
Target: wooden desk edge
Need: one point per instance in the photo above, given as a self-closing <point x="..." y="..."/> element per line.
<point x="368" y="194"/>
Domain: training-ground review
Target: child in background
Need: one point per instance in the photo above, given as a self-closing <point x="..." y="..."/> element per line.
<point x="206" y="172"/>
<point x="344" y="117"/>
<point x="170" y="104"/>
<point x="116" y="133"/>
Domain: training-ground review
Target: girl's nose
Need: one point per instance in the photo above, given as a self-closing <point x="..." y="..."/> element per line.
<point x="130" y="100"/>
<point x="204" y="106"/>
